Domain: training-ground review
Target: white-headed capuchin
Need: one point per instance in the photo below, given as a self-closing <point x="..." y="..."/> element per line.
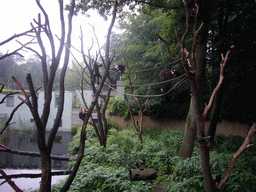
<point x="119" y="68"/>
<point x="167" y="74"/>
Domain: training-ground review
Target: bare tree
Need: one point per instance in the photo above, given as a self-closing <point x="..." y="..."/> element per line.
<point x="138" y="129"/>
<point x="107" y="63"/>
<point x="45" y="146"/>
<point x="192" y="66"/>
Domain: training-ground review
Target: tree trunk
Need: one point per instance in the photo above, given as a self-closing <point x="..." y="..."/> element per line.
<point x="46" y="172"/>
<point x="190" y="133"/>
<point x="204" y="152"/>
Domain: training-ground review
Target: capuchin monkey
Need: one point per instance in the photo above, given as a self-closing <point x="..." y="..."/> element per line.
<point x="141" y="164"/>
<point x="167" y="74"/>
<point x="120" y="68"/>
<point x="82" y="114"/>
<point x="96" y="71"/>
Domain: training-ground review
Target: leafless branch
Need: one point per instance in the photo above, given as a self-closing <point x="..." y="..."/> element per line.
<point x="11" y="183"/>
<point x="245" y="145"/>
<point x="29" y="153"/>
<point x="15" y="36"/>
<point x="167" y="46"/>
<point x="222" y="70"/>
<point x="12" y="93"/>
<point x="7" y="123"/>
<point x="24" y="93"/>
<point x="33" y="175"/>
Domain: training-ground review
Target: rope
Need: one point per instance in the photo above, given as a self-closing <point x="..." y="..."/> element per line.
<point x="154" y="67"/>
<point x="145" y="85"/>
<point x="145" y="96"/>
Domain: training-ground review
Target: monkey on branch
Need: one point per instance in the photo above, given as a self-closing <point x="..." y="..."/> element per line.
<point x="96" y="72"/>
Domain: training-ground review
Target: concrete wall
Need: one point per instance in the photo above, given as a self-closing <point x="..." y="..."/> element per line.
<point x="23" y="118"/>
<point x="225" y="127"/>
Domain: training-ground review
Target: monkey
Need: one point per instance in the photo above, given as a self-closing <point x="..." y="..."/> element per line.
<point x="141" y="164"/>
<point x="120" y="68"/>
<point x="96" y="71"/>
<point x="137" y="164"/>
<point x="167" y="74"/>
<point x="175" y="73"/>
<point x="218" y="179"/>
<point x="82" y="114"/>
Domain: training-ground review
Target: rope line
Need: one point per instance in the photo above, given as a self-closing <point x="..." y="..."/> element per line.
<point x="145" y="85"/>
<point x="154" y="67"/>
<point x="145" y="96"/>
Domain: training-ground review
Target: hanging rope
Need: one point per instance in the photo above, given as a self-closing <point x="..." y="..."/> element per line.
<point x="154" y="67"/>
<point x="145" y="85"/>
<point x="160" y="95"/>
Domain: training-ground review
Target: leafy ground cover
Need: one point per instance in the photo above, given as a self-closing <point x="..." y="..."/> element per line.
<point x="107" y="169"/>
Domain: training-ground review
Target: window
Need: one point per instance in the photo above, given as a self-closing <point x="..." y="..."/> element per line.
<point x="57" y="97"/>
<point x="10" y="101"/>
<point x="58" y="139"/>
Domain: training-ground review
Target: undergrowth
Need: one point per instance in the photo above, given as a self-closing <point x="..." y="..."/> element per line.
<point x="107" y="169"/>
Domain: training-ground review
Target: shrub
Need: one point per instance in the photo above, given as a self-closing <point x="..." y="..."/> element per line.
<point x="107" y="169"/>
<point x="118" y="107"/>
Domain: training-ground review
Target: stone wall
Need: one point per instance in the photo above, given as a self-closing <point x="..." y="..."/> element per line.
<point x="225" y="127"/>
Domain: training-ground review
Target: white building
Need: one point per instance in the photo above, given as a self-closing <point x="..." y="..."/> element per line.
<point x="23" y="118"/>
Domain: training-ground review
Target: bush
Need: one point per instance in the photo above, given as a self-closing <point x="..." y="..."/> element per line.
<point x="107" y="169"/>
<point x="118" y="107"/>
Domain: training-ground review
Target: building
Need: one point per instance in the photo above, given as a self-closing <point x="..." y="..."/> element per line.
<point x="23" y="118"/>
<point x="22" y="134"/>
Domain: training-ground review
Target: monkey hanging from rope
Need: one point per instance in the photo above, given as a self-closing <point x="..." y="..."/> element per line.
<point x="167" y="74"/>
<point x="96" y="71"/>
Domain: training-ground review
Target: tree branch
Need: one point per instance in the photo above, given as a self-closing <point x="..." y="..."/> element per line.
<point x="11" y="183"/>
<point x="245" y="145"/>
<point x="31" y="175"/>
<point x="222" y="70"/>
<point x="15" y="36"/>
<point x="29" y="153"/>
<point x="167" y="46"/>
<point x="27" y="101"/>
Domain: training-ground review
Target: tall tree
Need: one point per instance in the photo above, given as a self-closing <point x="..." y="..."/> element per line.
<point x="107" y="62"/>
<point x="49" y="74"/>
<point x="203" y="16"/>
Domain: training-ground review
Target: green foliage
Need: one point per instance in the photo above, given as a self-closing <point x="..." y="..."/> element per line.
<point x="188" y="177"/>
<point x="107" y="169"/>
<point x="118" y="107"/>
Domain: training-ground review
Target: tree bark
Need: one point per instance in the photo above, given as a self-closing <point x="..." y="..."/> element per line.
<point x="189" y="134"/>
<point x="46" y="177"/>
